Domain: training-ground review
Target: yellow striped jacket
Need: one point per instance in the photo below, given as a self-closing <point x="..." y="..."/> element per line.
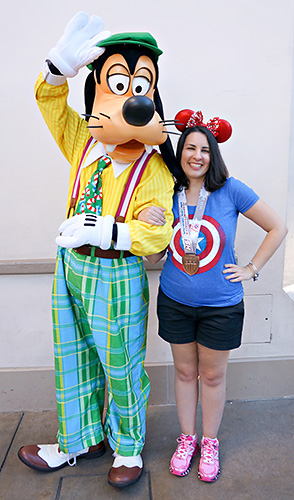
<point x="155" y="188"/>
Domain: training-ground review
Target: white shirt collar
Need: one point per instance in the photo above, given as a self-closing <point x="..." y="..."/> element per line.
<point x="99" y="150"/>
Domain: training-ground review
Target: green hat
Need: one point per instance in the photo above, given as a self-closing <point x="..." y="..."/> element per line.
<point x="145" y="39"/>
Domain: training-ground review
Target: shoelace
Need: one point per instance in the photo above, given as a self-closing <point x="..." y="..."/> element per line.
<point x="208" y="452"/>
<point x="72" y="459"/>
<point x="184" y="446"/>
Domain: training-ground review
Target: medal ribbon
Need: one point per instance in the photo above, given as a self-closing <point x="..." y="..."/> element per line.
<point x="190" y="241"/>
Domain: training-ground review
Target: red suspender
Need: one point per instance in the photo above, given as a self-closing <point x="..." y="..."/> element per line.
<point x="133" y="181"/>
<point x="76" y="186"/>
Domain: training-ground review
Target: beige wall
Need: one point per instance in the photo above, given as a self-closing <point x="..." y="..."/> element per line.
<point x="232" y="59"/>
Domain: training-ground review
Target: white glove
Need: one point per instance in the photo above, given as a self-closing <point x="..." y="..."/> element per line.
<point x="77" y="46"/>
<point x="123" y="241"/>
<point x="86" y="229"/>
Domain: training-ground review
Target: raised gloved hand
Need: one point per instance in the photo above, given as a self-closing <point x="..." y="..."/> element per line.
<point x="77" y="46"/>
<point x="86" y="229"/>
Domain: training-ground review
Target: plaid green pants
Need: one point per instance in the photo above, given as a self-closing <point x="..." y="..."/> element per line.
<point x="100" y="309"/>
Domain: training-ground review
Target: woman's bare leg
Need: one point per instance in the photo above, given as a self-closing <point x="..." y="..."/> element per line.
<point x="212" y="371"/>
<point x="186" y="384"/>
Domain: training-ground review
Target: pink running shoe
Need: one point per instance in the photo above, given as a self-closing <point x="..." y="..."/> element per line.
<point x="209" y="462"/>
<point x="187" y="448"/>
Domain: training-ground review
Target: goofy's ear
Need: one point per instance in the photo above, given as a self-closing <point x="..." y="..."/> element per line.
<point x="166" y="149"/>
<point x="89" y="94"/>
<point x="158" y="103"/>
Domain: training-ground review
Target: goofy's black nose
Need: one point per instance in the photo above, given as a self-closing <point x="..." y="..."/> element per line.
<point x="138" y="110"/>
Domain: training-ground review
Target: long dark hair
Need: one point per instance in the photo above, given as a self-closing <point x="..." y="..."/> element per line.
<point x="217" y="173"/>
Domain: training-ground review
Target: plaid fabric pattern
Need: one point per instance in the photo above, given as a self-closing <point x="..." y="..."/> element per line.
<point x="100" y="306"/>
<point x="100" y="309"/>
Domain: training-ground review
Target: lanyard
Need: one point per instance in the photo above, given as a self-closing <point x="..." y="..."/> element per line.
<point x="190" y="234"/>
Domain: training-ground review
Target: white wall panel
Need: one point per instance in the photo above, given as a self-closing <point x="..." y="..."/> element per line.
<point x="230" y="58"/>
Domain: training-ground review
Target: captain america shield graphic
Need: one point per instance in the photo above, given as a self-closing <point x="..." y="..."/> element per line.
<point x="210" y="244"/>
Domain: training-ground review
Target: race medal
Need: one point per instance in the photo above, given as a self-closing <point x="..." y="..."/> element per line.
<point x="190" y="263"/>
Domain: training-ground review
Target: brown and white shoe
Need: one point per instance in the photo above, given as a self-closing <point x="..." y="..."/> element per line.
<point x="48" y="457"/>
<point x="125" y="471"/>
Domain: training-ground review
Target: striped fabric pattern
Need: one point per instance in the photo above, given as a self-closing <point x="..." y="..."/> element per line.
<point x="155" y="188"/>
<point x="99" y="321"/>
<point x="100" y="306"/>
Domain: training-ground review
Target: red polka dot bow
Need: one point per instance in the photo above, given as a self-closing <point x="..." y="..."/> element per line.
<point x="186" y="118"/>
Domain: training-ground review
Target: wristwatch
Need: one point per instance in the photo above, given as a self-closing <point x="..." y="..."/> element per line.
<point x="256" y="273"/>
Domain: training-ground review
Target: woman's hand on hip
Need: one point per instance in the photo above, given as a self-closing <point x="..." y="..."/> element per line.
<point x="238" y="273"/>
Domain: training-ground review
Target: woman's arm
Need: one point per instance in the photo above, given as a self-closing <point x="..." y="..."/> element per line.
<point x="266" y="218"/>
<point x="153" y="215"/>
<point x="156" y="257"/>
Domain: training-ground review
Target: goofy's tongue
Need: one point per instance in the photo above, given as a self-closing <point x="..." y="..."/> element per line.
<point x="127" y="152"/>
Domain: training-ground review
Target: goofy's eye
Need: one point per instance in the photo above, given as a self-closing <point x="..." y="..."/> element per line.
<point x="140" y="85"/>
<point x="118" y="83"/>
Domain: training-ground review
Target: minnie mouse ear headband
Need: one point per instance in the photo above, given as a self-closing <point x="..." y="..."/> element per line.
<point x="186" y="118"/>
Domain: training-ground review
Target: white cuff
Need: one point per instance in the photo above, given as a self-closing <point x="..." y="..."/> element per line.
<point x="129" y="462"/>
<point x="50" y="78"/>
<point x="61" y="64"/>
<point x="106" y="236"/>
<point x="124" y="241"/>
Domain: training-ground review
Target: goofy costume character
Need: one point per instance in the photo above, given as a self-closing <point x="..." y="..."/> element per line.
<point x="100" y="290"/>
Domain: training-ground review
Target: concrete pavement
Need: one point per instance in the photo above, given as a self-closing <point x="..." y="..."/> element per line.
<point x="256" y="453"/>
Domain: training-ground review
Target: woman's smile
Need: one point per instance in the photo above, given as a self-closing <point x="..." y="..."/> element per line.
<point x="196" y="166"/>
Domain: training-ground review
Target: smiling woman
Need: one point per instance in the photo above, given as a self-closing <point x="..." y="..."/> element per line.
<point x="200" y="299"/>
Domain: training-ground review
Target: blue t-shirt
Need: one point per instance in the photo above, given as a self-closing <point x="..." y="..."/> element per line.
<point x="215" y="248"/>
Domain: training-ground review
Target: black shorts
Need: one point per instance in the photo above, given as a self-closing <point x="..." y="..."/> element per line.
<point x="218" y="328"/>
